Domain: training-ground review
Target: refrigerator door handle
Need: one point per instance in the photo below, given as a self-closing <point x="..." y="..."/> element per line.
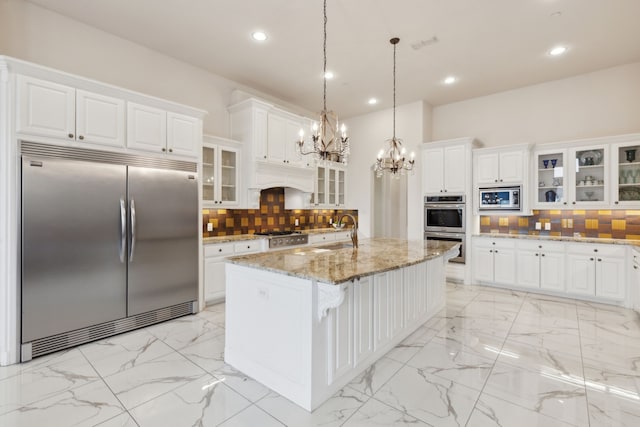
<point x="123" y="229"/>
<point x="133" y="230"/>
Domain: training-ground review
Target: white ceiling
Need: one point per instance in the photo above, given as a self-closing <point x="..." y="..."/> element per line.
<point x="490" y="45"/>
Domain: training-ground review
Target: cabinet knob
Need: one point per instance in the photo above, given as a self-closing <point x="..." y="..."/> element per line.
<point x="265" y="157"/>
<point x="491" y="250"/>
<point x="248" y="246"/>
<point x="599" y="259"/>
<point x="493" y="243"/>
<point x="635" y="267"/>
<point x="220" y="250"/>
<point x="565" y="203"/>
<point x="573" y="203"/>
<point x="595" y="250"/>
<point x="495" y="180"/>
<point x="70" y="135"/>
<point x="616" y="202"/>
<point x="284" y="161"/>
<point x="164" y="149"/>
<point x="536" y="254"/>
<point x="590" y="259"/>
<point x="441" y="191"/>
<point x="500" y="179"/>
<point x="171" y="150"/>
<point x="495" y="251"/>
<point x="542" y="255"/>
<point x="81" y="137"/>
<point x="445" y="191"/>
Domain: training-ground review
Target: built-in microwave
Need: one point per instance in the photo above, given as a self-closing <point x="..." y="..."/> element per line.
<point x="500" y="199"/>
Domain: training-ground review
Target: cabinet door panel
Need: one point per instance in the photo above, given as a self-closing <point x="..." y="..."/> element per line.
<point x="214" y="278"/>
<point x="528" y="270"/>
<point x="482" y="264"/>
<point x="183" y="135"/>
<point x="488" y="165"/>
<point x="580" y="274"/>
<point x="363" y="301"/>
<point x="100" y="119"/>
<point x="610" y="278"/>
<point x="504" y="266"/>
<point x="433" y="176"/>
<point x="45" y="108"/>
<point x="277" y="134"/>
<point x="511" y="167"/>
<point x="454" y="169"/>
<point x="552" y="266"/>
<point x="146" y="128"/>
<point x="340" y="335"/>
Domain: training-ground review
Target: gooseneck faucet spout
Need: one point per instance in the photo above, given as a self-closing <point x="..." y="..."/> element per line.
<point x="354" y="230"/>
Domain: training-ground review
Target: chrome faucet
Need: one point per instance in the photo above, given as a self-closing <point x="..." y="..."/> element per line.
<point x="354" y="230"/>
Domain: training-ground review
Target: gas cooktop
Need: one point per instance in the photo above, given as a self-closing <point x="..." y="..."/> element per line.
<point x="276" y="233"/>
<point x="280" y="239"/>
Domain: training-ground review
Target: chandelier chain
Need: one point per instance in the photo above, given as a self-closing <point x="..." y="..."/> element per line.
<point x="324" y="66"/>
<point x="394" y="91"/>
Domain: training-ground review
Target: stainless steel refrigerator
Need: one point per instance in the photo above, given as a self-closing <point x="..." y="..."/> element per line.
<point x="106" y="246"/>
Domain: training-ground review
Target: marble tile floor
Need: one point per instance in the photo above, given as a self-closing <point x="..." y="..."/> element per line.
<point x="492" y="357"/>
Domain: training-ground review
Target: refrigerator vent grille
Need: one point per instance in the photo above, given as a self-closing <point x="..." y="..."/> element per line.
<point x="60" y="152"/>
<point x="80" y="336"/>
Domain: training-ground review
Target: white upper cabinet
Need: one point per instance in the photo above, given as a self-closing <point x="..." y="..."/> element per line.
<point x="53" y="110"/>
<point x="625" y="176"/>
<point x="59" y="113"/>
<point x="147" y="128"/>
<point x="183" y="134"/>
<point x="155" y="130"/>
<point x="100" y="119"/>
<point x="501" y="167"/>
<point x="282" y="133"/>
<point x="446" y="166"/>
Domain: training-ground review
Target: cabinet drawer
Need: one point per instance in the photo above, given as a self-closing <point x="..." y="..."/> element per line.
<point x="485" y="242"/>
<point x="542" y="245"/>
<point x="218" y="250"/>
<point x="248" y="246"/>
<point x="590" y="249"/>
<point x="321" y="238"/>
<point x="342" y="235"/>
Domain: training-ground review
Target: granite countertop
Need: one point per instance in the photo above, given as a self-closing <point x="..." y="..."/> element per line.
<point x="629" y="242"/>
<point x="241" y="237"/>
<point x="337" y="266"/>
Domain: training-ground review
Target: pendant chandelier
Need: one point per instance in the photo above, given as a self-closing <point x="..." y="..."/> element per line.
<point x="391" y="158"/>
<point x="330" y="140"/>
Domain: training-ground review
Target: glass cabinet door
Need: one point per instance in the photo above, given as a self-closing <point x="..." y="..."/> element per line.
<point x="320" y="186"/>
<point x="551" y="173"/>
<point x="332" y="186"/>
<point x="208" y="174"/>
<point x="341" y="187"/>
<point x="627" y="187"/>
<point x="228" y="175"/>
<point x="591" y="178"/>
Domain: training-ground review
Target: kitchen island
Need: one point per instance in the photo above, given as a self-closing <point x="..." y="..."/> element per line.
<point x="307" y="321"/>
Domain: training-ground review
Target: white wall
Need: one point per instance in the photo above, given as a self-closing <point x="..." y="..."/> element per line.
<point x="35" y="34"/>
<point x="601" y="103"/>
<point x="368" y="134"/>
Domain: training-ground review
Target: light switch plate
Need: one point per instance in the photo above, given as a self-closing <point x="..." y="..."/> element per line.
<point x="547" y="226"/>
<point x="538" y="226"/>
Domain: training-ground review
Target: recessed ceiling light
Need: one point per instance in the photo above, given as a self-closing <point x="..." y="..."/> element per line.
<point x="372" y="101"/>
<point x="328" y="75"/>
<point x="259" y="36"/>
<point x="557" y="51"/>
<point x="450" y="80"/>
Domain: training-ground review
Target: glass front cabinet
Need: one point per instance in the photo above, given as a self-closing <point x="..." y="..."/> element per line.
<point x="626" y="174"/>
<point x="575" y="177"/>
<point x="330" y="187"/>
<point x="220" y="174"/>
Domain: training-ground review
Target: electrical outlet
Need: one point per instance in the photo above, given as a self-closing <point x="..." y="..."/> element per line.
<point x="538" y="226"/>
<point x="209" y="226"/>
<point x="547" y="226"/>
<point x="330" y="220"/>
<point x="296" y="222"/>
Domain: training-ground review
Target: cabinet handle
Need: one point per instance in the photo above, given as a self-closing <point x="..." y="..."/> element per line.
<point x="70" y="135"/>
<point x="81" y="137"/>
<point x="164" y="149"/>
<point x="171" y="150"/>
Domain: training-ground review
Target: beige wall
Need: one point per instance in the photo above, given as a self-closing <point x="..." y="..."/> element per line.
<point x="601" y="103"/>
<point x="368" y="133"/>
<point x="34" y="34"/>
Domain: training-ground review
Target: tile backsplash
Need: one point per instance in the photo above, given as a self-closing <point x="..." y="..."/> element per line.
<point x="616" y="224"/>
<point x="272" y="216"/>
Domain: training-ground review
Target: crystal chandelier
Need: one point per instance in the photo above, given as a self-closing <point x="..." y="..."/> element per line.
<point x="391" y="158"/>
<point x="330" y="140"/>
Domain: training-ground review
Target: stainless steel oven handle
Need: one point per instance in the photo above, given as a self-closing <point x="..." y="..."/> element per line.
<point x="451" y="235"/>
<point x="123" y="229"/>
<point x="443" y="206"/>
<point x="133" y="230"/>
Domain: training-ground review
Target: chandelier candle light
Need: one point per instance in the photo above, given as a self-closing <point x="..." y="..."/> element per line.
<point x="391" y="158"/>
<point x="330" y="140"/>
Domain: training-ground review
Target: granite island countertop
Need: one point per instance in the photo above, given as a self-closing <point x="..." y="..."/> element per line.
<point x="335" y="266"/>
<point x="599" y="240"/>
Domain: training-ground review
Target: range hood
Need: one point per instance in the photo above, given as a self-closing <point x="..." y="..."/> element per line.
<point x="268" y="175"/>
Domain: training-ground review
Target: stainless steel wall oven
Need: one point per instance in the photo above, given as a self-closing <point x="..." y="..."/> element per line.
<point x="445" y="219"/>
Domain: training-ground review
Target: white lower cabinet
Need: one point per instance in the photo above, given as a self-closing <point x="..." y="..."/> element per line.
<point x="214" y="265"/>
<point x="597" y="270"/>
<point x="634" y="280"/>
<point x="540" y="265"/>
<point x="574" y="269"/>
<point x="494" y="260"/>
<point x="337" y="236"/>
